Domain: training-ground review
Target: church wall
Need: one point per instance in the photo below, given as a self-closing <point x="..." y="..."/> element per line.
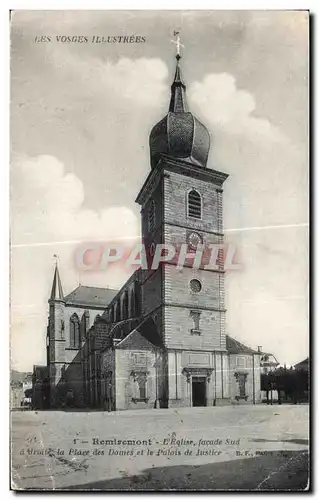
<point x="74" y="381"/>
<point x="129" y="363"/>
<point x="156" y="195"/>
<point x="177" y="235"/>
<point x="108" y="376"/>
<point x="178" y="326"/>
<point x="176" y="388"/>
<point x="56" y="347"/>
<point x="56" y="318"/>
<point x="152" y="292"/>
<point x="218" y="375"/>
<point x="57" y="385"/>
<point x="69" y="311"/>
<point x="225" y="375"/>
<point x="66" y="367"/>
<point x="115" y="308"/>
<point x="73" y="356"/>
<point x="182" y="365"/>
<point x="177" y="289"/>
<point x="57" y="355"/>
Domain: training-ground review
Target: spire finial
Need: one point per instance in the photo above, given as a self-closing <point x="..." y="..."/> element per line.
<point x="56" y="259"/>
<point x="178" y="44"/>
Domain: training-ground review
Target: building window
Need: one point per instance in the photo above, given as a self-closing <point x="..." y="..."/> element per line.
<point x="194" y="204"/>
<point x="85" y="324"/>
<point x="125" y="313"/>
<point x="132" y="304"/>
<point x="75" y="335"/>
<point x="240" y="361"/>
<point x="195" y="315"/>
<point x="195" y="285"/>
<point x="140" y="386"/>
<point x="241" y="380"/>
<point x="118" y="311"/>
<point x="151" y="216"/>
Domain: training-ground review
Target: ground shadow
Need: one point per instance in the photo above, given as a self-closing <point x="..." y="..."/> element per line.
<point x="275" y="470"/>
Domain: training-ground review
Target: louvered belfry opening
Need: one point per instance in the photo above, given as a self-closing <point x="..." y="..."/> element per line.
<point x="151" y="216"/>
<point x="194" y="204"/>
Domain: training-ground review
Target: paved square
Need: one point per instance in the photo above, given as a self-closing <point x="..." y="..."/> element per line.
<point x="216" y="448"/>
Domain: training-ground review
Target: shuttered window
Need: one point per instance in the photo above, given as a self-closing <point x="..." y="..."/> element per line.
<point x="194" y="204"/>
<point x="151" y="216"/>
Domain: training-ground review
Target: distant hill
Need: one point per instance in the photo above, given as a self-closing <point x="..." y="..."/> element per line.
<point x="16" y="377"/>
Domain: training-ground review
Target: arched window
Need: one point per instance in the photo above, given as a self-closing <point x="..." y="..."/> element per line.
<point x="151" y="216"/>
<point x="75" y="334"/>
<point x="118" y="311"/>
<point x="125" y="305"/>
<point x="194" y="204"/>
<point x="137" y="299"/>
<point x="85" y="324"/>
<point x="132" y="304"/>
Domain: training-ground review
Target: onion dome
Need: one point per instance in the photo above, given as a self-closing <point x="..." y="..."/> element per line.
<point x="179" y="134"/>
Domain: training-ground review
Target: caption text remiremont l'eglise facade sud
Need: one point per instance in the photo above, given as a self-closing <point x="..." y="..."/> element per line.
<point x="160" y="341"/>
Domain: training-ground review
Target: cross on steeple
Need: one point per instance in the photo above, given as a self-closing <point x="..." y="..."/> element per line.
<point x="178" y="44"/>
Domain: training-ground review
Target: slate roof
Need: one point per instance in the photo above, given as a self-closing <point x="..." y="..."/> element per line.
<point x="91" y="296"/>
<point x="235" y="347"/>
<point x="56" y="291"/>
<point x="134" y="341"/>
<point x="147" y="329"/>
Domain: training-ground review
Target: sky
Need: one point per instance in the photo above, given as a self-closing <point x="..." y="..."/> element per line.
<point x="81" y="114"/>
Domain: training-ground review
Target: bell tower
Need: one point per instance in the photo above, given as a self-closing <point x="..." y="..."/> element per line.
<point x="182" y="206"/>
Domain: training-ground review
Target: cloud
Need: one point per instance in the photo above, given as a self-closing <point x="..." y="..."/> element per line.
<point x="48" y="217"/>
<point x="231" y="109"/>
<point x="47" y="206"/>
<point x="93" y="114"/>
<point x="268" y="172"/>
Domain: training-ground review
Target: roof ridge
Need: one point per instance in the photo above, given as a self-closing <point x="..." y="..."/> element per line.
<point x="239" y="345"/>
<point x="98" y="287"/>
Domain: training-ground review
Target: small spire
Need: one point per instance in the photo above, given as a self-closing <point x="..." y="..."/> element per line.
<point x="56" y="291"/>
<point x="178" y="103"/>
<point x="178" y="75"/>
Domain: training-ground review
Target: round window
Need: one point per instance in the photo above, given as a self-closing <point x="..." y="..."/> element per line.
<point x="195" y="286"/>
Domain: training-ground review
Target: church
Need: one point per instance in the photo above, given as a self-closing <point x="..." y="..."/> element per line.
<point x="159" y="341"/>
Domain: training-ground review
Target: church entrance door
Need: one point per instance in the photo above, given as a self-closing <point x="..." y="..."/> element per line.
<point x="199" y="391"/>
